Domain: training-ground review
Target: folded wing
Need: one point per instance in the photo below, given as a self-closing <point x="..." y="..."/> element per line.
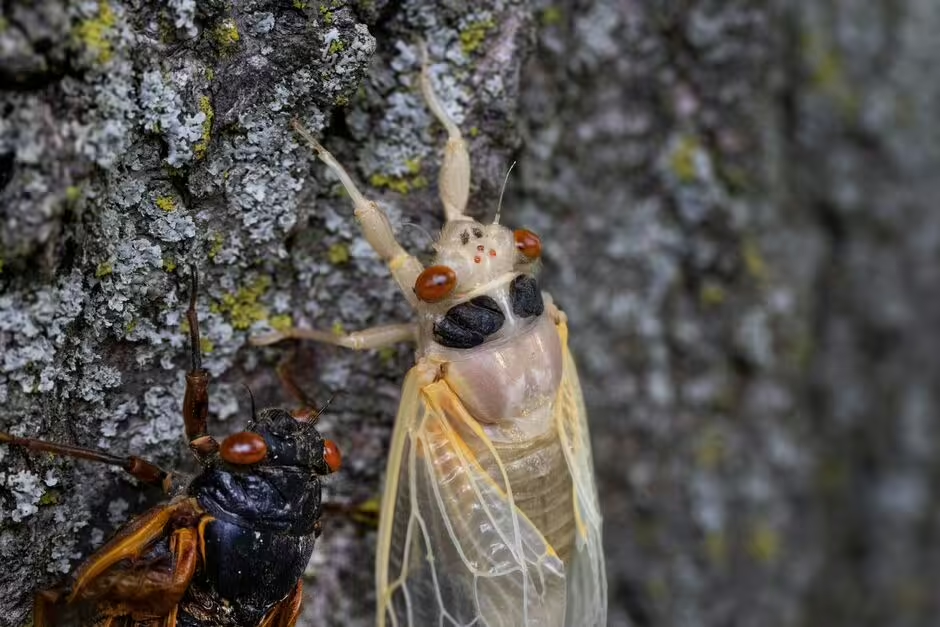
<point x="587" y="579"/>
<point x="453" y="548"/>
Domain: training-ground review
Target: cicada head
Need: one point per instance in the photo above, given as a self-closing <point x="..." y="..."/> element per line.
<point x="275" y="438"/>
<point x="472" y="257"/>
<point x="480" y="285"/>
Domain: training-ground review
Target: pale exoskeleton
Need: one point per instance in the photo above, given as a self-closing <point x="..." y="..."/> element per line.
<point x="490" y="514"/>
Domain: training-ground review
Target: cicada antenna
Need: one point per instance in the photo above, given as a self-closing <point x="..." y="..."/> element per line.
<point x="499" y="205"/>
<point x="251" y="395"/>
<point x="316" y="416"/>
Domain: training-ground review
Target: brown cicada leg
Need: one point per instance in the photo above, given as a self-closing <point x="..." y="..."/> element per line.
<point x="101" y="576"/>
<point x="44" y="607"/>
<point x="145" y="586"/>
<point x="122" y="579"/>
<point x="285" y="372"/>
<point x="139" y="468"/>
<point x="309" y="410"/>
<point x="196" y="399"/>
<point x="286" y="612"/>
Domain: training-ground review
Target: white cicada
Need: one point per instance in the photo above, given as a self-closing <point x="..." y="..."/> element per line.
<point x="490" y="514"/>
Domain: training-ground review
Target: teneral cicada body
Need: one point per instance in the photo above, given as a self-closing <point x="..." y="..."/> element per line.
<point x="490" y="514"/>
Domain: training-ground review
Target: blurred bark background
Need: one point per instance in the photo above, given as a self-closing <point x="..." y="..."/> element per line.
<point x="735" y="202"/>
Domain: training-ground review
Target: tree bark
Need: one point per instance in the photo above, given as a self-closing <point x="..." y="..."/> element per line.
<point x="733" y="199"/>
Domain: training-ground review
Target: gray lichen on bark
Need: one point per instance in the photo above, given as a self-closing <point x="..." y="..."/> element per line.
<point x="734" y="199"/>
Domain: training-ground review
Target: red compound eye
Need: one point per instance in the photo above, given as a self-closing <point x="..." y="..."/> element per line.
<point x="332" y="456"/>
<point x="528" y="243"/>
<point x="435" y="284"/>
<point x="244" y="448"/>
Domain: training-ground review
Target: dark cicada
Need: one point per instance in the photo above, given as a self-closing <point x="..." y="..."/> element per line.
<point x="228" y="549"/>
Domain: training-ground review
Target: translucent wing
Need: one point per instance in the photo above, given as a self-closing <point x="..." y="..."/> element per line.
<point x="453" y="549"/>
<point x="587" y="580"/>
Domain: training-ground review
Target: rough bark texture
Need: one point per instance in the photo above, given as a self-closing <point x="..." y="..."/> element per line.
<point x="734" y="199"/>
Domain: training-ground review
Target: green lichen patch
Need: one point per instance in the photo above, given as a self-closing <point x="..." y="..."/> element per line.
<point x="338" y="254"/>
<point x="226" y="35"/>
<point x="50" y="497"/>
<point x="93" y="34"/>
<point x="828" y="74"/>
<point x="711" y="295"/>
<point x="474" y="34"/>
<point x="404" y="184"/>
<point x="387" y="354"/>
<point x="202" y="147"/>
<point x="551" y="16"/>
<point x="282" y="323"/>
<point x="682" y="161"/>
<point x="753" y="260"/>
<point x="165" y="203"/>
<point x="242" y="308"/>
<point x="104" y="269"/>
<point x="763" y="543"/>
<point x="217" y="244"/>
<point x="73" y="194"/>
<point x="169" y="264"/>
<point x="336" y="46"/>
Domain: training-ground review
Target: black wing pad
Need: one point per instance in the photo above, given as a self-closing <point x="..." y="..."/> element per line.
<point x="526" y="297"/>
<point x="468" y="324"/>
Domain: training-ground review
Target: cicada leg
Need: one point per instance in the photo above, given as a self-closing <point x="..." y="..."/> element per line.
<point x="43" y="606"/>
<point x="182" y="520"/>
<point x="376" y="337"/>
<point x="376" y="226"/>
<point x="286" y="612"/>
<point x="137" y="467"/>
<point x="125" y="577"/>
<point x="196" y="398"/>
<point x="454" y="178"/>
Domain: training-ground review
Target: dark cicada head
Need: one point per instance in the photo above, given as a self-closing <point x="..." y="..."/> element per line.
<point x="278" y="439"/>
<point x="269" y="475"/>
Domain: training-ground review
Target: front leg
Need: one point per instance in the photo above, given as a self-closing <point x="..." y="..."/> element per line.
<point x="375" y="224"/>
